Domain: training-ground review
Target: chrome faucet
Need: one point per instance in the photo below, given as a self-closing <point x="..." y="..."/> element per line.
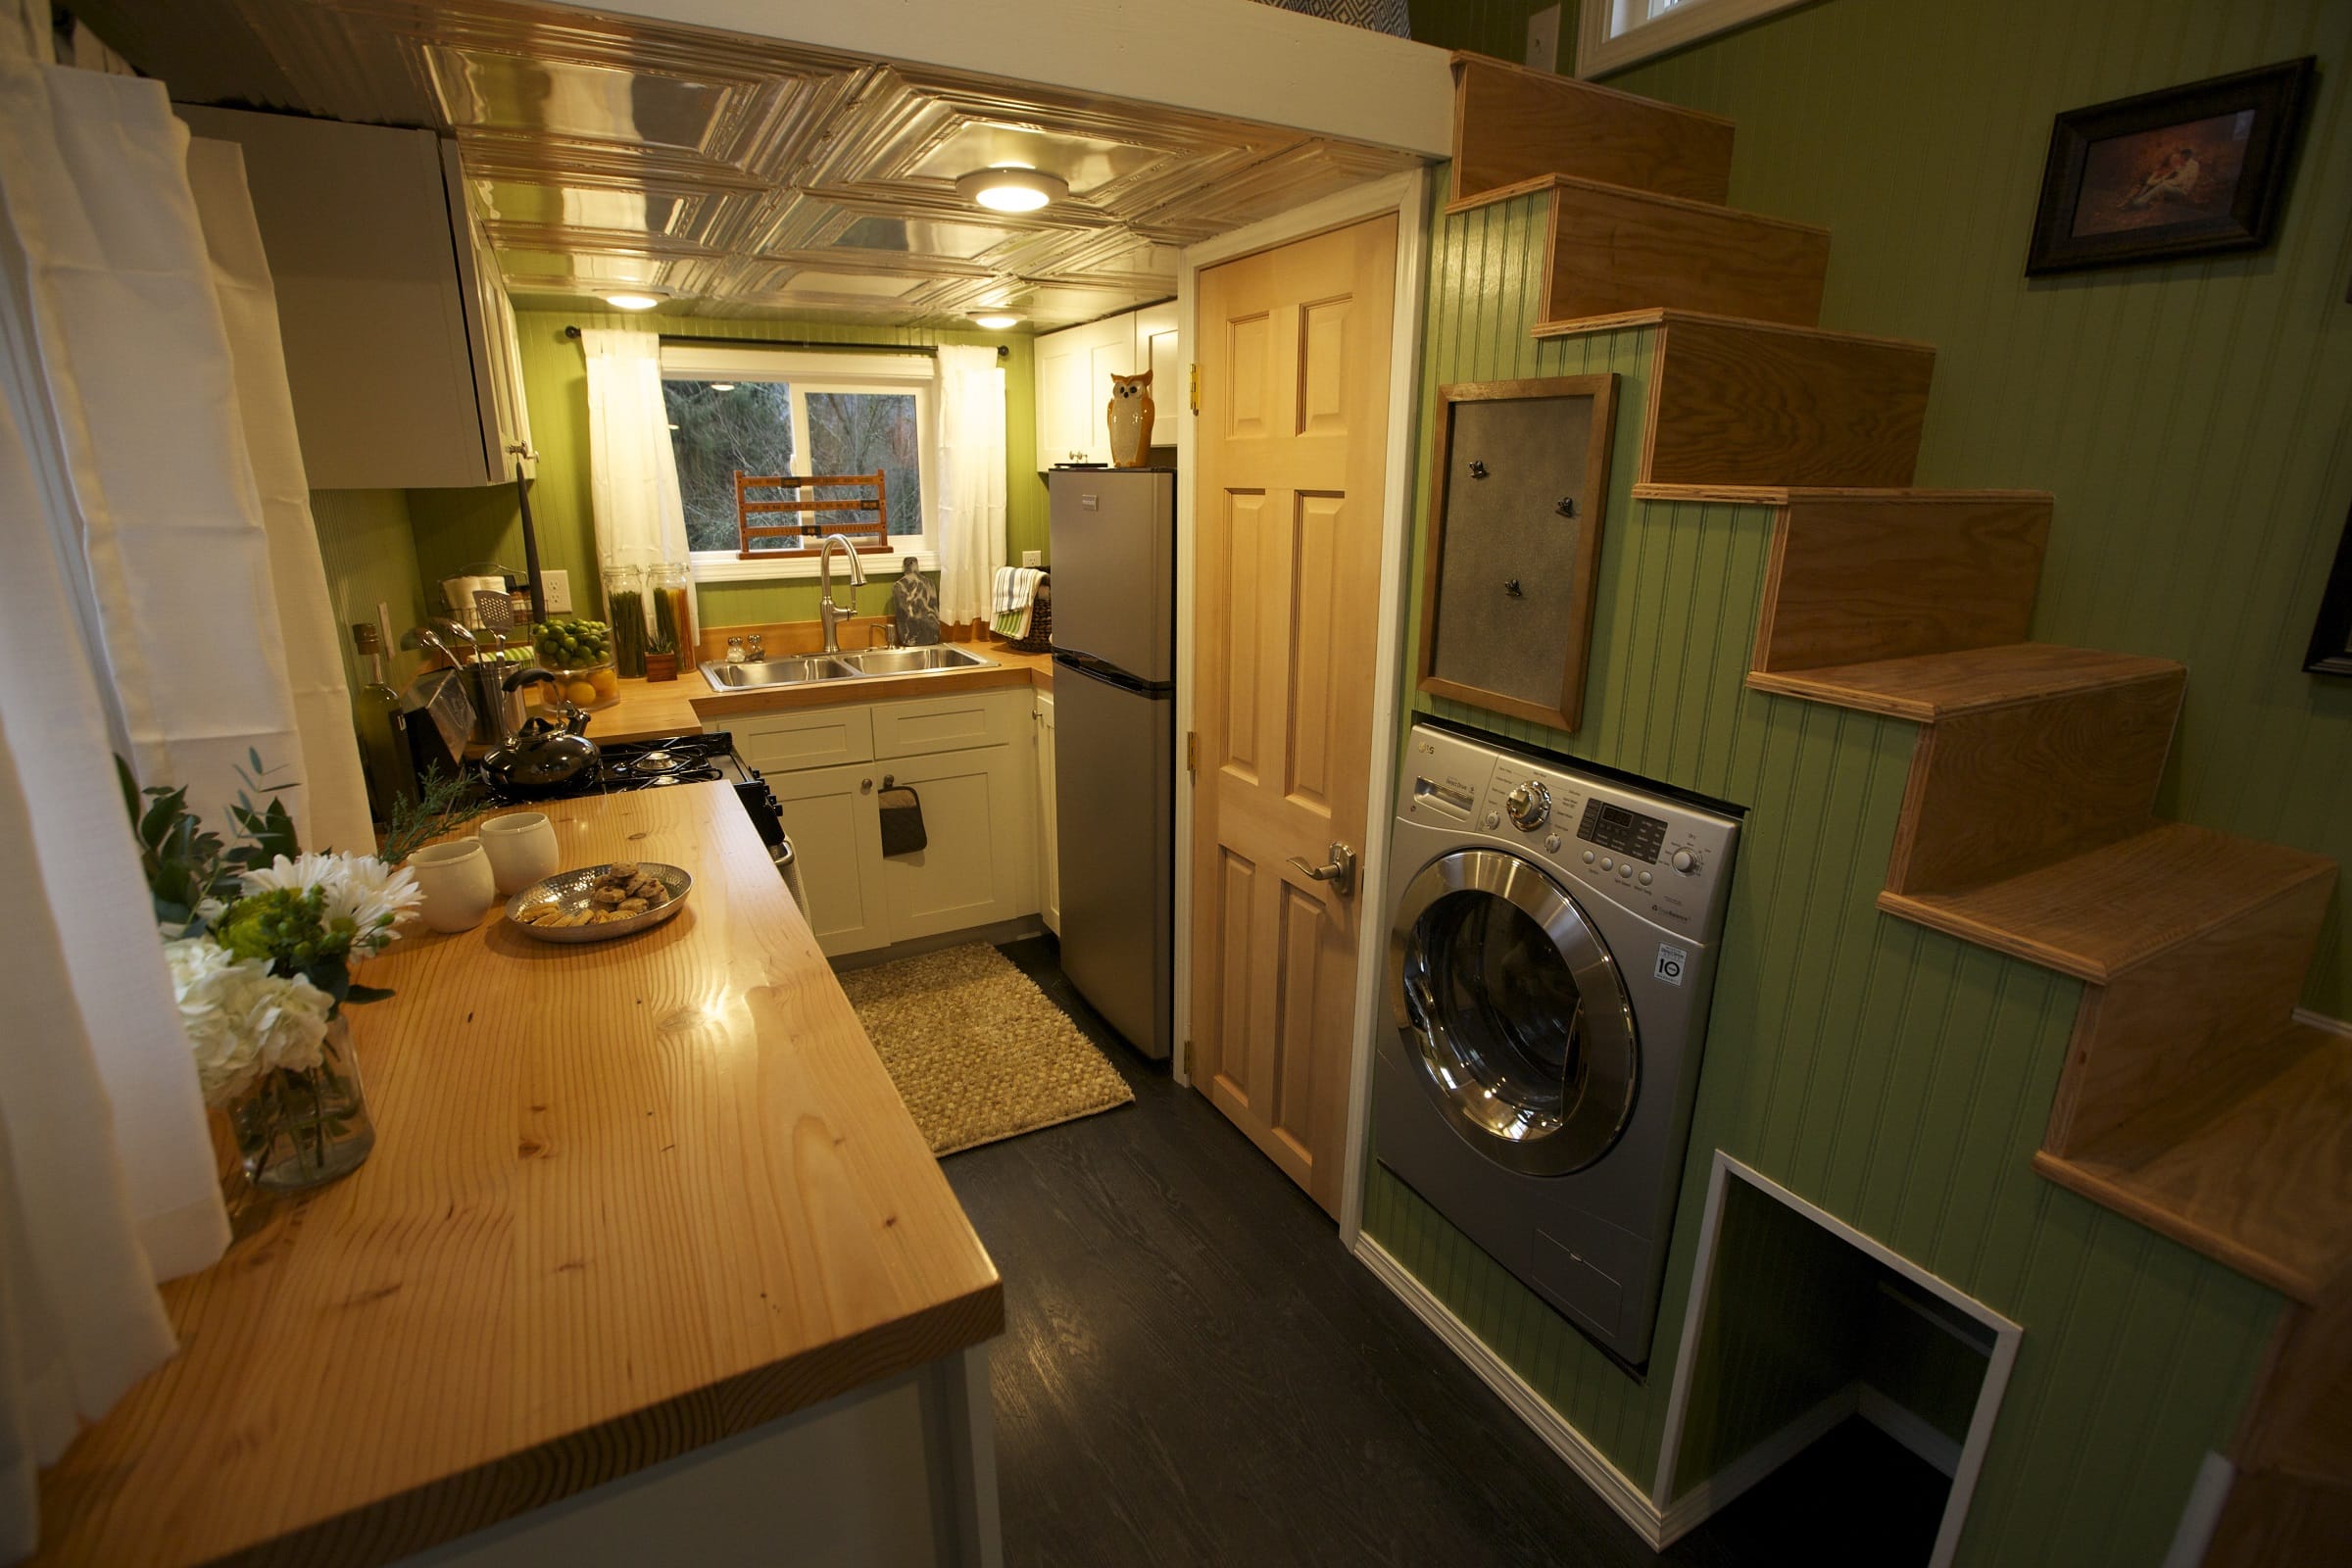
<point x="829" y="613"/>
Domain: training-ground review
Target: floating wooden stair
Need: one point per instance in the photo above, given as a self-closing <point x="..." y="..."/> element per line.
<point x="1739" y="402"/>
<point x="1610" y="249"/>
<point x="1512" y="123"/>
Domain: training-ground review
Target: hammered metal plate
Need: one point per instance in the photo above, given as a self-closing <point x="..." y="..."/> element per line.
<point x="569" y="891"/>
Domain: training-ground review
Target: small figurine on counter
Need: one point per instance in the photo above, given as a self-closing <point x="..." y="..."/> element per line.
<point x="915" y="608"/>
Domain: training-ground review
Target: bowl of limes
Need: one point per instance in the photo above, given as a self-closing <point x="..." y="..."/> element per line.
<point x="578" y="653"/>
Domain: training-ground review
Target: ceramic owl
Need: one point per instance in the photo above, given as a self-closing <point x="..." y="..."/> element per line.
<point x="1130" y="420"/>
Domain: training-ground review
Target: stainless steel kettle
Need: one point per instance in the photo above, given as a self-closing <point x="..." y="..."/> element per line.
<point x="544" y="759"/>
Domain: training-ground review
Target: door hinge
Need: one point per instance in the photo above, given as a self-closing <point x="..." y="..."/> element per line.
<point x="1195" y="388"/>
<point x="1192" y="751"/>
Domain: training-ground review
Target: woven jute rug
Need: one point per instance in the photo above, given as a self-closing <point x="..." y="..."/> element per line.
<point x="977" y="1051"/>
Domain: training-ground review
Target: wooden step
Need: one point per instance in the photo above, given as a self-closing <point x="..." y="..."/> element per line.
<point x="1741" y="402"/>
<point x="1513" y="124"/>
<point x="2097" y="914"/>
<point x="2248" y="1160"/>
<point x="1612" y="248"/>
<point x="1927" y="687"/>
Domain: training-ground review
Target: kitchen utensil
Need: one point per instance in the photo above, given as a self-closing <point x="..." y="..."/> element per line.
<point x="457" y="884"/>
<point x="460" y="591"/>
<point x="568" y="890"/>
<point x="544" y="759"/>
<point x="496" y="609"/>
<point x="522" y="845"/>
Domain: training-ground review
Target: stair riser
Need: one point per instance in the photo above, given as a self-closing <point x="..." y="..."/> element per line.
<point x="2004" y="790"/>
<point x="1512" y="125"/>
<point x="1613" y="250"/>
<point x="1855" y="580"/>
<point x="1740" y="405"/>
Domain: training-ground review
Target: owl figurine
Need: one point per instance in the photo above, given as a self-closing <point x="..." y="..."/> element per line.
<point x="1130" y="418"/>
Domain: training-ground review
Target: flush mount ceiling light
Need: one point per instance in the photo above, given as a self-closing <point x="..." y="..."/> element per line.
<point x="632" y="301"/>
<point x="1011" y="189"/>
<point x="722" y="386"/>
<point x="995" y="319"/>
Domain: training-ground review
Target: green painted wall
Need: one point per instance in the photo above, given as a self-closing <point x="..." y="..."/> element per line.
<point x="1496" y="27"/>
<point x="2195" y="419"/>
<point x="457" y="526"/>
<point x="367" y="542"/>
<point x="1896" y="1077"/>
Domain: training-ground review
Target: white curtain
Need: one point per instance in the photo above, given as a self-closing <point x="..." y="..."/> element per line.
<point x="971" y="451"/>
<point x="632" y="471"/>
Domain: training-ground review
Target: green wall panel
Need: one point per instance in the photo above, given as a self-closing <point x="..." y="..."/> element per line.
<point x="1896" y="1077"/>
<point x="456" y="526"/>
<point x="1496" y="27"/>
<point x="366" y="542"/>
<point x="2193" y="419"/>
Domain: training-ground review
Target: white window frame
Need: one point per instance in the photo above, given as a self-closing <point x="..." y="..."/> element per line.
<point x="1612" y="35"/>
<point x="820" y="372"/>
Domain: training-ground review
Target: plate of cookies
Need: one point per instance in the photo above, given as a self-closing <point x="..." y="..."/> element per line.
<point x="597" y="902"/>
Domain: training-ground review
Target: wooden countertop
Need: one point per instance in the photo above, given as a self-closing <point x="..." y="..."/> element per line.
<point x="626" y="1199"/>
<point x="650" y="709"/>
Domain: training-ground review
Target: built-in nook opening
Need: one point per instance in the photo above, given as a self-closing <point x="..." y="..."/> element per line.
<point x="1806" y="1338"/>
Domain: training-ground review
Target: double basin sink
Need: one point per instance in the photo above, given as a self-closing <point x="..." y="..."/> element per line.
<point x="799" y="669"/>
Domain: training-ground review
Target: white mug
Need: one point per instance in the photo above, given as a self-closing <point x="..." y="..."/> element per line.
<point x="458" y="885"/>
<point x="522" y="845"/>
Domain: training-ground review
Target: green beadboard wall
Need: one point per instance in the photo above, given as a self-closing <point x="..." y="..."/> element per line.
<point x="1896" y="1077"/>
<point x="367" y="542"/>
<point x="457" y="526"/>
<point x="1496" y="27"/>
<point x="2194" y="418"/>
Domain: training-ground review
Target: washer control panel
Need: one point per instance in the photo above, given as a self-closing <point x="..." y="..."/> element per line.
<point x="1662" y="857"/>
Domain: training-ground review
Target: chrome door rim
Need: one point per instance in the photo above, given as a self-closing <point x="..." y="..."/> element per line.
<point x="1611" y="1056"/>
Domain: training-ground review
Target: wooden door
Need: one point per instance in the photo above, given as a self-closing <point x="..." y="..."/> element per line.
<point x="1291" y="458"/>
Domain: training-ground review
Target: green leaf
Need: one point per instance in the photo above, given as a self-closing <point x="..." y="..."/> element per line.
<point x="360" y="992"/>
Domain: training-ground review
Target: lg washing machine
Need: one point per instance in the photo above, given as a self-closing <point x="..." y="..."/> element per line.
<point x="1551" y="949"/>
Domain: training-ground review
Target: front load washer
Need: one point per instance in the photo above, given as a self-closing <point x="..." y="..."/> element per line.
<point x="1551" y="949"/>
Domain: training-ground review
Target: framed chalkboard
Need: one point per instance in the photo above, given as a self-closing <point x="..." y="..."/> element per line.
<point x="1520" y="486"/>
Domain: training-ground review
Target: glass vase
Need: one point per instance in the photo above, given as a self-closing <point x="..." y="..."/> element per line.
<point x="301" y="1129"/>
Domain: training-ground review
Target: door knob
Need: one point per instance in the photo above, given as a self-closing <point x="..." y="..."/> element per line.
<point x="1340" y="871"/>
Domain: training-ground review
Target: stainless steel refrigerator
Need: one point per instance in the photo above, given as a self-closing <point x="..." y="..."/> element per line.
<point x="1115" y="722"/>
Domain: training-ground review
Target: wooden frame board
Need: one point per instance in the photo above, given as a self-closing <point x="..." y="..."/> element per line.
<point x="1564" y="710"/>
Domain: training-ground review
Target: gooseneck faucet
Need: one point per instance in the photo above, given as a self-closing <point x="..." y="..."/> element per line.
<point x="829" y="613"/>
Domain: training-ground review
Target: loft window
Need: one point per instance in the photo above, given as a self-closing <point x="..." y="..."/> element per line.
<point x="1612" y="35"/>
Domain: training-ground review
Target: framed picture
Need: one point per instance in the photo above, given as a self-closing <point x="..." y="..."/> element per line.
<point x="1520" y="488"/>
<point x="2184" y="172"/>
<point x="2330" y="650"/>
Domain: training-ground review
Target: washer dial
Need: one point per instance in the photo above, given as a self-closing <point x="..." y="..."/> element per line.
<point x="1530" y="806"/>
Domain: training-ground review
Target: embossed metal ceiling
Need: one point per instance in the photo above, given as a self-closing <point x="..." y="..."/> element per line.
<point x="747" y="177"/>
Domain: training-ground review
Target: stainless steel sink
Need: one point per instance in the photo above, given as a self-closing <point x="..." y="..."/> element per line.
<point x="780" y="671"/>
<point x="910" y="661"/>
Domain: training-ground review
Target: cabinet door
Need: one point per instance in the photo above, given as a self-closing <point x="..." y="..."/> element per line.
<point x="1062" y="368"/>
<point x="835" y="832"/>
<point x="1110" y="353"/>
<point x="979" y="863"/>
<point x="1155" y="351"/>
<point x="1048" y="903"/>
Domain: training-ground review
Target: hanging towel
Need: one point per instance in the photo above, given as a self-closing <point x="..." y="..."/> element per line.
<point x="901" y="820"/>
<point x="1010" y="602"/>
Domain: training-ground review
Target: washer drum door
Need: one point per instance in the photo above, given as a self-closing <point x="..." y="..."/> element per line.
<point x="1512" y="1013"/>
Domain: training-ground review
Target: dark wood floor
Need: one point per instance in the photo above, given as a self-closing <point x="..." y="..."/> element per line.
<point x="1193" y="1372"/>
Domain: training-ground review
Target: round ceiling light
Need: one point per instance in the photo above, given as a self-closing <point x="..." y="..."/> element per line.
<point x="722" y="386"/>
<point x="1011" y="189"/>
<point x="632" y="301"/>
<point x="994" y="319"/>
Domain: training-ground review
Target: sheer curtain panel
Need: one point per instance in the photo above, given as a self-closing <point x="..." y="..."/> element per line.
<point x="971" y="509"/>
<point x="632" y="470"/>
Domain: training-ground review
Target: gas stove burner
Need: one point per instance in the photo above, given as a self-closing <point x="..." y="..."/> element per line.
<point x="658" y="760"/>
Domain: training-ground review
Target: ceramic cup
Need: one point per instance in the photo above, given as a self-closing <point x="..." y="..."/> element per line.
<point x="459" y="888"/>
<point x="522" y="845"/>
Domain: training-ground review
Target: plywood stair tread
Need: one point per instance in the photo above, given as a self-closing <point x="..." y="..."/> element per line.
<point x="1781" y="495"/>
<point x="1670" y="316"/>
<point x="1927" y="687"/>
<point x="1631" y="193"/>
<point x="2097" y="915"/>
<point x="1512" y="123"/>
<point x="2250" y="1163"/>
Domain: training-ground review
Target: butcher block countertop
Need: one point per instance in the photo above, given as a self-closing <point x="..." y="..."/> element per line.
<point x="627" y="1198"/>
<point x="651" y="709"/>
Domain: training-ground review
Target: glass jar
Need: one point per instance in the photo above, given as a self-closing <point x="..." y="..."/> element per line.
<point x="302" y="1128"/>
<point x="671" y="589"/>
<point x="624" y="612"/>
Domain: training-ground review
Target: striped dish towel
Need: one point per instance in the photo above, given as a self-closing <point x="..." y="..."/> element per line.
<point x="1010" y="599"/>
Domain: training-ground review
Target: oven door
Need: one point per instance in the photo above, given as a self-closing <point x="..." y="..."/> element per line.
<point x="1512" y="1012"/>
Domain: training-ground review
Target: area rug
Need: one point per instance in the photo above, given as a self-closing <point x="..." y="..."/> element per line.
<point x="977" y="1051"/>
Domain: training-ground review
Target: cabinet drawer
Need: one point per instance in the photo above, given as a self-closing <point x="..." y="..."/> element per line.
<point x="815" y="737"/>
<point x="950" y="723"/>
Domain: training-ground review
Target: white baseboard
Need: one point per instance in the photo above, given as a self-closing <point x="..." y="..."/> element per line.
<point x="1720" y="1490"/>
<point x="1908" y="1428"/>
<point x="1591" y="1466"/>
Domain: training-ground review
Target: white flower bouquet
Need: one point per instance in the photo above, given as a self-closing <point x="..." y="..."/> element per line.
<point x="261" y="939"/>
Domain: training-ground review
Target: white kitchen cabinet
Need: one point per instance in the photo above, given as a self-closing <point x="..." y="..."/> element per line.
<point x="1049" y="820"/>
<point x="400" y="344"/>
<point x="1074" y="367"/>
<point x="979" y="865"/>
<point x="834" y="826"/>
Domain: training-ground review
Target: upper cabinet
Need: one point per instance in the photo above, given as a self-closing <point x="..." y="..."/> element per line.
<point x="400" y="349"/>
<point x="1074" y="367"/>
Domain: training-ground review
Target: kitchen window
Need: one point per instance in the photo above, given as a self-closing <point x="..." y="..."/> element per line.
<point x="1612" y="35"/>
<point x="765" y="411"/>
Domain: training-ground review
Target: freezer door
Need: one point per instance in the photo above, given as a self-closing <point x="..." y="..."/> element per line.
<point x="1115" y="791"/>
<point x="1115" y="567"/>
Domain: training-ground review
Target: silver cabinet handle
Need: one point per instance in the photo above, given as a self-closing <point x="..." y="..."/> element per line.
<point x="1339" y="872"/>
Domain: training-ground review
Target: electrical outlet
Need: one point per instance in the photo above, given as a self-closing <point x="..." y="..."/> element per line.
<point x="1033" y="558"/>
<point x="556" y="590"/>
<point x="1543" y="39"/>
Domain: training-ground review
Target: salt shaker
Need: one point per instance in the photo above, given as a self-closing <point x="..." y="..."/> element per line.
<point x="734" y="649"/>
